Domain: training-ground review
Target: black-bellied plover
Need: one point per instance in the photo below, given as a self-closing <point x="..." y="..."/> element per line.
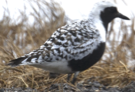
<point x="74" y="47"/>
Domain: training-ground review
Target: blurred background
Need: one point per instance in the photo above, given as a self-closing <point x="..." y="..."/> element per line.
<point x="26" y="24"/>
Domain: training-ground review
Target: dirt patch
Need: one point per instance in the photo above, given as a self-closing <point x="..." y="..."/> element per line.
<point x="80" y="87"/>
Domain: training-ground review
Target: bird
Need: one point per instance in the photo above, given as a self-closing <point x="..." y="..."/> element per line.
<point x="75" y="46"/>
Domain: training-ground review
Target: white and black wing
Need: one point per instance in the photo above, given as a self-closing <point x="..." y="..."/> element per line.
<point x="69" y="42"/>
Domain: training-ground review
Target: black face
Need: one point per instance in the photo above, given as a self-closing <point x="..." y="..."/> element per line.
<point x="109" y="14"/>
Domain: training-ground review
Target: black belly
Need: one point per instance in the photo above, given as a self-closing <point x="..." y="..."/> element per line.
<point x="88" y="61"/>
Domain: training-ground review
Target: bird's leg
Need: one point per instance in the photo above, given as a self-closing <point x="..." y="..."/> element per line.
<point x="74" y="78"/>
<point x="68" y="77"/>
<point x="53" y="75"/>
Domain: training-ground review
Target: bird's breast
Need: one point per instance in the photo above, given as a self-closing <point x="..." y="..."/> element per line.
<point x="89" y="60"/>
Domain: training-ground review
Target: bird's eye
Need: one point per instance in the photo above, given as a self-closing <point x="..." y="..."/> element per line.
<point x="111" y="9"/>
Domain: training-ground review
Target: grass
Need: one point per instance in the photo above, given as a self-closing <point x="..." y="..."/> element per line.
<point x="20" y="38"/>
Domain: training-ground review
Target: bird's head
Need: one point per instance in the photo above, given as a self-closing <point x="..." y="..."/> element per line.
<point x="106" y="11"/>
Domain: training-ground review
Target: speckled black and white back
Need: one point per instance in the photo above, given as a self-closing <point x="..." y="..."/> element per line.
<point x="69" y="42"/>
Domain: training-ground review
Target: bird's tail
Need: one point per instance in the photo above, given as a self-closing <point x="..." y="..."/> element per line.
<point x="16" y="62"/>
